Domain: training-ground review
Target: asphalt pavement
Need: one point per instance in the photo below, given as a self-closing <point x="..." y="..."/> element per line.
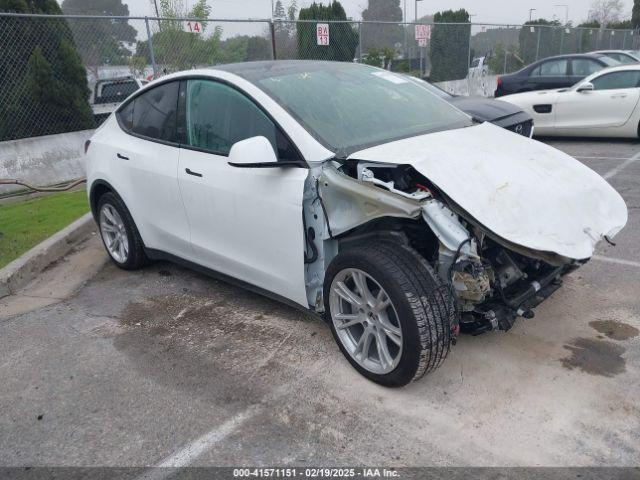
<point x="168" y="367"/>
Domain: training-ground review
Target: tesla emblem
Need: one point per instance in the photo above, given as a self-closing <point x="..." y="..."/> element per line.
<point x="519" y="129"/>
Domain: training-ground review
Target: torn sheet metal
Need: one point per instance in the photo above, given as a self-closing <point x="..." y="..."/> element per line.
<point x="525" y="192"/>
<point x="350" y="203"/>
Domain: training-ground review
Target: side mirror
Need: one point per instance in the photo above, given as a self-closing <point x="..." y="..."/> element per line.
<point x="586" y="87"/>
<point x="254" y="150"/>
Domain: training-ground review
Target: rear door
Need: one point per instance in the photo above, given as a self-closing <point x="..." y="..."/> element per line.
<point x="610" y="104"/>
<point x="146" y="155"/>
<point x="245" y="222"/>
<point x="549" y="75"/>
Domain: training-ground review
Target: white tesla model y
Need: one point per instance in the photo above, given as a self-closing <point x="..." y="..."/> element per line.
<point x="351" y="192"/>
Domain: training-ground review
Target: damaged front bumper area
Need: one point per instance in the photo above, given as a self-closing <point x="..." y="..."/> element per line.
<point x="494" y="281"/>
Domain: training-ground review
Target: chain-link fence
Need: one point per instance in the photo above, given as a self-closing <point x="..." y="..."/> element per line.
<point x="66" y="73"/>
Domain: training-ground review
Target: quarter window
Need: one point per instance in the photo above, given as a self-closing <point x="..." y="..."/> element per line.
<point x="219" y="116"/>
<point x="617" y="80"/>
<point x="153" y="114"/>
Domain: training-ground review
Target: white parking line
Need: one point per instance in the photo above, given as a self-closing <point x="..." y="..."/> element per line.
<point x="617" y="261"/>
<point x="622" y="166"/>
<point x="194" y="449"/>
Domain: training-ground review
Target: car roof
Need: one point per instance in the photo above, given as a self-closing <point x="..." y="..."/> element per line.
<point x="574" y="55"/>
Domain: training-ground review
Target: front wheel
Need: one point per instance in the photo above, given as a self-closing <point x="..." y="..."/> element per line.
<point x="389" y="313"/>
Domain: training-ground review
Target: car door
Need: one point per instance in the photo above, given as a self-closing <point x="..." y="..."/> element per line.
<point x="550" y="74"/>
<point x="610" y="104"/>
<point x="245" y="222"/>
<point x="146" y="153"/>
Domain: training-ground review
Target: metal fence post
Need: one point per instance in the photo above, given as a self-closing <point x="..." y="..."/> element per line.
<point x="360" y="42"/>
<point x="151" y="53"/>
<point x="272" y="29"/>
<point x="538" y="47"/>
<point x="504" y="70"/>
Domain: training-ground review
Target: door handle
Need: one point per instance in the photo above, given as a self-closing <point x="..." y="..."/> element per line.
<point x="191" y="172"/>
<point x="619" y="95"/>
<point x="122" y="157"/>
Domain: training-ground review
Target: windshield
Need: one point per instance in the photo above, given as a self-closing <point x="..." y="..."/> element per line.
<point x="349" y="106"/>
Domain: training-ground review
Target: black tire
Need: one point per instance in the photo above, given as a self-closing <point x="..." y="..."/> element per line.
<point x="425" y="306"/>
<point x="136" y="257"/>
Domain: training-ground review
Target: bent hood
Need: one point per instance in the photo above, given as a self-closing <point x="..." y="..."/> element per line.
<point x="522" y="190"/>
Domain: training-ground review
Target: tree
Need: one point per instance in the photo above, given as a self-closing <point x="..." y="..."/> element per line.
<point x="635" y="15"/>
<point x="605" y="11"/>
<point x="100" y="42"/>
<point x="449" y="47"/>
<point x="380" y="36"/>
<point x="44" y="88"/>
<point x="539" y="39"/>
<point x="175" y="49"/>
<point x="343" y="40"/>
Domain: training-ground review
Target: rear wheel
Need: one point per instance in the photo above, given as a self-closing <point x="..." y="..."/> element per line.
<point x="389" y="313"/>
<point x="119" y="233"/>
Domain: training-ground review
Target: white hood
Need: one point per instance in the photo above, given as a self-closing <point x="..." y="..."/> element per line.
<point x="520" y="189"/>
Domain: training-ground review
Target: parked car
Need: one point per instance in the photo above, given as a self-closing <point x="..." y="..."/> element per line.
<point x="553" y="72"/>
<point x="604" y="104"/>
<point x="352" y="193"/>
<point x="502" y="114"/>
<point x="624" y="57"/>
<point x="109" y="93"/>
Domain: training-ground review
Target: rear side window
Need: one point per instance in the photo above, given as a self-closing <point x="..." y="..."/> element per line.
<point x="584" y="66"/>
<point x="218" y="116"/>
<point x="153" y="114"/>
<point x="551" y="68"/>
<point x="617" y="80"/>
<point x="116" y="92"/>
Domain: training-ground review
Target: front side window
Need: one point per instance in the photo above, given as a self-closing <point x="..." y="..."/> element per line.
<point x="585" y="66"/>
<point x="153" y="113"/>
<point x="219" y="116"/>
<point x="552" y="68"/>
<point x="617" y="80"/>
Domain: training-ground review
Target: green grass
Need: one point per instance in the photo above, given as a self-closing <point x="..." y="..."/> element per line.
<point x="24" y="224"/>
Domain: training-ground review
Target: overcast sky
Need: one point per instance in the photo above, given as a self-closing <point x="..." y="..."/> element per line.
<point x="488" y="11"/>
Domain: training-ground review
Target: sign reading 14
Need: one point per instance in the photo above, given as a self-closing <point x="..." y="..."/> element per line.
<point x="192" y="27"/>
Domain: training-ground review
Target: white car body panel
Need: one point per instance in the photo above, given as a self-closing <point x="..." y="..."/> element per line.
<point x="597" y="113"/>
<point x="147" y="182"/>
<point x="525" y="191"/>
<point x="246" y="223"/>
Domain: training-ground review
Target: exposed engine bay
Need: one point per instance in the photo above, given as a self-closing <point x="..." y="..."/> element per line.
<point x="494" y="281"/>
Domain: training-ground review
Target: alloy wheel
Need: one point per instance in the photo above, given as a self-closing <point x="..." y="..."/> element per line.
<point x="114" y="233"/>
<point x="365" y="320"/>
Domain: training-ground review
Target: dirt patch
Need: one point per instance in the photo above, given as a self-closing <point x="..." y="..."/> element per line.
<point x="615" y="330"/>
<point x="595" y="357"/>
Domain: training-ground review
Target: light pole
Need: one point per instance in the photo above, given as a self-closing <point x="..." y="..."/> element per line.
<point x="531" y="10"/>
<point x="416" y="20"/>
<point x="566" y="13"/>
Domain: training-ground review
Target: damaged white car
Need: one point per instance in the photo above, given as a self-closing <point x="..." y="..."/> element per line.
<point x="351" y="192"/>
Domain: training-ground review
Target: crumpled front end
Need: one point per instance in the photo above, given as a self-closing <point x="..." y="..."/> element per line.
<point x="495" y="280"/>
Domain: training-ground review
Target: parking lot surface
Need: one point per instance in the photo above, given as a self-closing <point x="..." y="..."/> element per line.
<point x="167" y="367"/>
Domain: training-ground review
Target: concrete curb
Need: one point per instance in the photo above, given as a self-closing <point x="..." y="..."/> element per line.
<point x="27" y="267"/>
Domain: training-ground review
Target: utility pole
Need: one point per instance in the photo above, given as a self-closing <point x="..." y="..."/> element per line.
<point x="566" y="12"/>
<point x="531" y="10"/>
<point x="155" y="4"/>
<point x="416" y="20"/>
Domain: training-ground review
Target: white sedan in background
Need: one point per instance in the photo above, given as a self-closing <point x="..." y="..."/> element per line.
<point x="604" y="104"/>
